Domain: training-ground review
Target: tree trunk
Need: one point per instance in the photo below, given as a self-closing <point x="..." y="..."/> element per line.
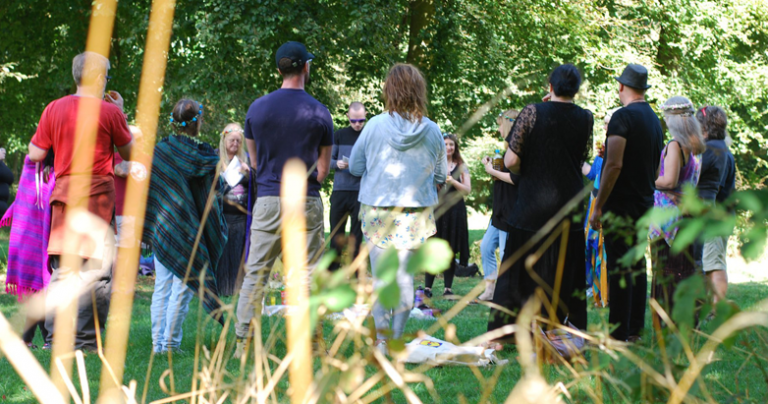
<point x="422" y="14"/>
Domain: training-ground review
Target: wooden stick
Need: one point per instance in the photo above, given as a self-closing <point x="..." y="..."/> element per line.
<point x="293" y="192"/>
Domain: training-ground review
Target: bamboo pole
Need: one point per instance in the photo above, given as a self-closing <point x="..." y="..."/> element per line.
<point x="148" y="108"/>
<point x="293" y="191"/>
<point x="99" y="41"/>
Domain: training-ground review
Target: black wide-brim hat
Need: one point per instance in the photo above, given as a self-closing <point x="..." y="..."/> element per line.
<point x="295" y="51"/>
<point x="635" y="76"/>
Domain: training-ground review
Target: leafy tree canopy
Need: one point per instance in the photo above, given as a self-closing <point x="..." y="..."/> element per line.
<point x="222" y="54"/>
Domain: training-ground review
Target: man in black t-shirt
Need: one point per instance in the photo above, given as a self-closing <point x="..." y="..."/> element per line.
<point x="633" y="150"/>
<point x="346" y="187"/>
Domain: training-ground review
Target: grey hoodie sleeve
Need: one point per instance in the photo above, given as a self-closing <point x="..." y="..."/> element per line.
<point x="357" y="159"/>
<point x="441" y="165"/>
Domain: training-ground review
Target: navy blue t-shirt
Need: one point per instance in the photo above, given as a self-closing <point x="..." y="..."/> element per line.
<point x="287" y="123"/>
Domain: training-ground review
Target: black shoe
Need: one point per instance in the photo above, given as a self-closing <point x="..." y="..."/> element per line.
<point x="448" y="293"/>
<point x="428" y="292"/>
<point x="47" y="346"/>
<point x="31" y="346"/>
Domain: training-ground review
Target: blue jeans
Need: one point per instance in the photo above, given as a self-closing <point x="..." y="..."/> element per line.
<point x="170" y="304"/>
<point x="493" y="238"/>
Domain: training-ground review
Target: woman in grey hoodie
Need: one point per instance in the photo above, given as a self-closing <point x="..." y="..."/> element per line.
<point x="400" y="156"/>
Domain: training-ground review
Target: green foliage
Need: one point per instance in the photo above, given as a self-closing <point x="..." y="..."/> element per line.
<point x="222" y="54"/>
<point x="433" y="257"/>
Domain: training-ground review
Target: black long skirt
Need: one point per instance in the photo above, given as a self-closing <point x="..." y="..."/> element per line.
<point x="452" y="227"/>
<point x="516" y="285"/>
<point x="229" y="274"/>
<point x="668" y="271"/>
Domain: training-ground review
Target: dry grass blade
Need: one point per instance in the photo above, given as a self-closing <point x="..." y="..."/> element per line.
<point x="738" y="322"/>
<point x="27" y="366"/>
<point x="292" y="198"/>
<point x="148" y="108"/>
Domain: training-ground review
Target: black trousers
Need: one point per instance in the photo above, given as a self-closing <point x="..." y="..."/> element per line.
<point x="92" y="303"/>
<point x="627" y="304"/>
<point x="344" y="205"/>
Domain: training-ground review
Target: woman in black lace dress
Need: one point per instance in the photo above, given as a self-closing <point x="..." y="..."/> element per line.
<point x="451" y="213"/>
<point x="547" y="146"/>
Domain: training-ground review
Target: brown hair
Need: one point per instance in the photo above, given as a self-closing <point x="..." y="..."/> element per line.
<point x="713" y="121"/>
<point x="456" y="157"/>
<point x="187" y="117"/>
<point x="405" y="92"/>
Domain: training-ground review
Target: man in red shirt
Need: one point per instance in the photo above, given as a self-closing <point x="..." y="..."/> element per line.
<point x="57" y="131"/>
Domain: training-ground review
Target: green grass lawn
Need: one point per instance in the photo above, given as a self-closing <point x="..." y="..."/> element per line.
<point x="731" y="378"/>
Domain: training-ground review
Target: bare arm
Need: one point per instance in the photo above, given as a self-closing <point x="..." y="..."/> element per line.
<point x="672" y="165"/>
<point x="614" y="161"/>
<point x="501" y="175"/>
<point x="125" y="151"/>
<point x="323" y="163"/>
<point x="36" y="154"/>
<point x="512" y="161"/>
<point x="465" y="186"/>
<point x="251" y="145"/>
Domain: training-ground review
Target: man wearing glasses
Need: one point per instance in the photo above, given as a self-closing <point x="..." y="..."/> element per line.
<point x="346" y="186"/>
<point x="285" y="124"/>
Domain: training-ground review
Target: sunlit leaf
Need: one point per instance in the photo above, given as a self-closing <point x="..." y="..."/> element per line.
<point x="389" y="296"/>
<point x="339" y="298"/>
<point x="433" y="257"/>
<point x="386" y="266"/>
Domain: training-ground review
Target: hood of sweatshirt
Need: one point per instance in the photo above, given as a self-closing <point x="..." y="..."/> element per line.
<point x="407" y="134"/>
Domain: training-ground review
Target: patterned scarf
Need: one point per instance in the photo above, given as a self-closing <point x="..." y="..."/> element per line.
<point x="183" y="171"/>
<point x="30" y="219"/>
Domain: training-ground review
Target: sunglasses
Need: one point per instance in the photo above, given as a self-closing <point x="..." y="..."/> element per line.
<point x="108" y="78"/>
<point x="357" y="120"/>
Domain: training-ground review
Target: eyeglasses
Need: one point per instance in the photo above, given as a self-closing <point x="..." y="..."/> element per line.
<point x="108" y="78"/>
<point x="357" y="120"/>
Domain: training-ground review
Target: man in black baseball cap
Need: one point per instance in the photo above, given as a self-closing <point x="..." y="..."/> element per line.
<point x="295" y="52"/>
<point x="285" y="124"/>
<point x="634" y="140"/>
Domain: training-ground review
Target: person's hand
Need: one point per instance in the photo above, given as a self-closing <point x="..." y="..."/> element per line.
<point x="449" y="180"/>
<point x="113" y="97"/>
<point x="341" y="164"/>
<point x="547" y="97"/>
<point x="488" y="164"/>
<point x="244" y="167"/>
<point x="595" y="220"/>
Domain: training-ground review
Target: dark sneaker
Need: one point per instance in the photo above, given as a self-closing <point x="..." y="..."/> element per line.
<point x="47" y="346"/>
<point x="428" y="292"/>
<point x="31" y="346"/>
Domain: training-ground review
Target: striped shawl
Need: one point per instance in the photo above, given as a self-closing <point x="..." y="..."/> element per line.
<point x="183" y="171"/>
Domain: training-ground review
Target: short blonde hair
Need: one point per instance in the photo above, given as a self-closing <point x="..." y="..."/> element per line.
<point x="232" y="128"/>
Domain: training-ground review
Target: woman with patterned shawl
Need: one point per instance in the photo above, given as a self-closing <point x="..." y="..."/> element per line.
<point x="30" y="220"/>
<point x="183" y="174"/>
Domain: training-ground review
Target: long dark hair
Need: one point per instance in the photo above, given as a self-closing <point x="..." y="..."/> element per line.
<point x="456" y="157"/>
